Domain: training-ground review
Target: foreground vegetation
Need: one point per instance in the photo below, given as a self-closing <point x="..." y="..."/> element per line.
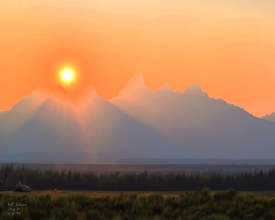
<point x="189" y="205"/>
<point x="149" y="204"/>
<point x="66" y="180"/>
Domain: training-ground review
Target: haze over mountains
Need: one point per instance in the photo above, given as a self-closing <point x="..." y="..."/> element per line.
<point x="203" y="126"/>
<point x="136" y="125"/>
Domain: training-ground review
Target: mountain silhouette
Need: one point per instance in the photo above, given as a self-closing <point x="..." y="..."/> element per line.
<point x="97" y="132"/>
<point x="270" y="117"/>
<point x="139" y="123"/>
<point x="204" y="127"/>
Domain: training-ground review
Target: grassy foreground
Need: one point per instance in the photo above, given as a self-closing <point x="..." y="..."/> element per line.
<point x="101" y="194"/>
<point x="195" y="205"/>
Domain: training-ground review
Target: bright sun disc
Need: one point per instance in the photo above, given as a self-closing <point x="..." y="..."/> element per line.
<point x="67" y="75"/>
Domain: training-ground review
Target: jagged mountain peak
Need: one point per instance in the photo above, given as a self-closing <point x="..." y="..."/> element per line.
<point x="270" y="117"/>
<point x="195" y="90"/>
<point x="135" y="86"/>
<point x="165" y="88"/>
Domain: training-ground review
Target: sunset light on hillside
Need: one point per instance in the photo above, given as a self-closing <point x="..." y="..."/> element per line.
<point x="226" y="46"/>
<point x="107" y="106"/>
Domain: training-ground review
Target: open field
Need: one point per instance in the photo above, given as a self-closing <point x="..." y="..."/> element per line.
<point x="90" y="194"/>
<point x="118" y="205"/>
<point x="102" y="194"/>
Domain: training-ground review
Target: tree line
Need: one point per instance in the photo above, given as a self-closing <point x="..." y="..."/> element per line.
<point x="67" y="180"/>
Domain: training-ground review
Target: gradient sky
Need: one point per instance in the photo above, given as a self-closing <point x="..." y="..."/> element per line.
<point x="226" y="46"/>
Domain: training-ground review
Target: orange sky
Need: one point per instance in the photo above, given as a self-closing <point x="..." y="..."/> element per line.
<point x="226" y="46"/>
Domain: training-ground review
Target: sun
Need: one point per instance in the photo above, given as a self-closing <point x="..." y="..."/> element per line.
<point x="67" y="75"/>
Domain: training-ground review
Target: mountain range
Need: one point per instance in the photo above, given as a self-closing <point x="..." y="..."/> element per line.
<point x="137" y="124"/>
<point x="270" y="117"/>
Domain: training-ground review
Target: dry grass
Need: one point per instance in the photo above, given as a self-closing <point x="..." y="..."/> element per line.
<point x="101" y="194"/>
<point x="91" y="194"/>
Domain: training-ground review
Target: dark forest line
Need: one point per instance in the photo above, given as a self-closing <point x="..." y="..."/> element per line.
<point x="67" y="180"/>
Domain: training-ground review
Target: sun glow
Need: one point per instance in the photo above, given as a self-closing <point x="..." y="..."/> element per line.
<point x="67" y="75"/>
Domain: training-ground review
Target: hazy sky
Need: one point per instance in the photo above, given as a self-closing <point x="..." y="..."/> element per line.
<point x="226" y="46"/>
